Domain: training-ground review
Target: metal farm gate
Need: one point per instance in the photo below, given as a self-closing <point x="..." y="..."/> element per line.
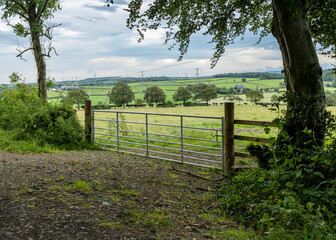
<point x="194" y="140"/>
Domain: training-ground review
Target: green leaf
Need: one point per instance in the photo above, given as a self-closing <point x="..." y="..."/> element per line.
<point x="278" y="123"/>
<point x="261" y="179"/>
<point x="319" y="174"/>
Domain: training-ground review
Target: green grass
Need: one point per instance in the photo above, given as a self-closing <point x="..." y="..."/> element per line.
<point x="242" y="112"/>
<point x="10" y="142"/>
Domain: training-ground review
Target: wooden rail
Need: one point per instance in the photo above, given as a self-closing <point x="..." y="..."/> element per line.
<point x="255" y="123"/>
<point x="251" y="139"/>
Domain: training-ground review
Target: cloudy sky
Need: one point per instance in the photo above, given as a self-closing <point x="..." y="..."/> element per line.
<point x="93" y="41"/>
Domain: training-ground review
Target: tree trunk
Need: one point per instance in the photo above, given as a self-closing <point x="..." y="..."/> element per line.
<point x="41" y="68"/>
<point x="38" y="54"/>
<point x="303" y="74"/>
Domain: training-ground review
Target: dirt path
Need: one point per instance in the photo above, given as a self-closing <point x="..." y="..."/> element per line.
<point x="103" y="195"/>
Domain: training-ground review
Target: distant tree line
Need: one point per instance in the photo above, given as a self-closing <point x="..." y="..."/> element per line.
<point x="251" y="75"/>
<point x="329" y="76"/>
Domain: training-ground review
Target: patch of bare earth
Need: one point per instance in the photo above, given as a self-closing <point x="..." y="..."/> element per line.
<point x="104" y="195"/>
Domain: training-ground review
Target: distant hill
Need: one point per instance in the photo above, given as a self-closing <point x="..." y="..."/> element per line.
<point x="260" y="75"/>
<point x="112" y="80"/>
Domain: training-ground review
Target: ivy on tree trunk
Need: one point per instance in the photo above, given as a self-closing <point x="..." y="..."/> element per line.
<point x="303" y="74"/>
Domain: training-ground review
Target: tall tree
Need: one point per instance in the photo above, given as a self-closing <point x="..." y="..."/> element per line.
<point x="33" y="16"/>
<point x="254" y="96"/>
<point x="154" y="94"/>
<point x="292" y="23"/>
<point x="77" y="96"/>
<point x="182" y="94"/>
<point x="121" y="94"/>
<point x="204" y="92"/>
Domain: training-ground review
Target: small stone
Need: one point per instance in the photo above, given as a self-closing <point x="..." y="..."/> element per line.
<point x="106" y="204"/>
<point x="145" y="198"/>
<point x="207" y="235"/>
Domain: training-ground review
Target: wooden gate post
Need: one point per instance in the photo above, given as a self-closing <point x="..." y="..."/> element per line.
<point x="88" y="121"/>
<point x="229" y="155"/>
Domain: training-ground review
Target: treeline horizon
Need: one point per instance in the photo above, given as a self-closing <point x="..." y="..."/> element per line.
<point x="328" y="76"/>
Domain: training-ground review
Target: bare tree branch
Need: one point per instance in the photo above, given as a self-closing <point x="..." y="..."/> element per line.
<point x="48" y="31"/>
<point x="22" y="52"/>
<point x="50" y="49"/>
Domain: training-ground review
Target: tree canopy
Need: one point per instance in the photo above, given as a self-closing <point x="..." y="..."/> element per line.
<point x="77" y="96"/>
<point x="33" y="16"/>
<point x="254" y="96"/>
<point x="182" y="94"/>
<point x="204" y="92"/>
<point x="121" y="94"/>
<point x="154" y="94"/>
<point x="225" y="20"/>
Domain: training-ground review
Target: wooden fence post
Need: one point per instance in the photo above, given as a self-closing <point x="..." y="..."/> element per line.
<point x="229" y="155"/>
<point x="88" y="121"/>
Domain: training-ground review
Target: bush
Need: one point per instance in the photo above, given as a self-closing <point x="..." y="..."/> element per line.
<point x="167" y="104"/>
<point x="102" y="106"/>
<point x="191" y="104"/>
<point x="297" y="194"/>
<point x="330" y="100"/>
<point x="30" y="119"/>
<point x="57" y="125"/>
<point x="292" y="195"/>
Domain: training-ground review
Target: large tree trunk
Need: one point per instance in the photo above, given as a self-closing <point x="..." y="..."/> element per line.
<point x="303" y="74"/>
<point x="38" y="53"/>
<point x="41" y="67"/>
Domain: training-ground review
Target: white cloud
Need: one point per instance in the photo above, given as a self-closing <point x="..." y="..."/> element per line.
<point x="323" y="59"/>
<point x="152" y="37"/>
<point x="4" y="27"/>
<point x="63" y="32"/>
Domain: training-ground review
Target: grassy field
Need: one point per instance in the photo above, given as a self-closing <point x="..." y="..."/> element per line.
<point x="98" y="93"/>
<point x="242" y="112"/>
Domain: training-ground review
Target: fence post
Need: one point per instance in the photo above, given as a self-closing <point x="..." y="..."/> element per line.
<point x="229" y="156"/>
<point x="147" y="149"/>
<point x="182" y="139"/>
<point x="117" y="119"/>
<point x="88" y="121"/>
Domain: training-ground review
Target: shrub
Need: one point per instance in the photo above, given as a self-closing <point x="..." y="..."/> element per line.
<point x="102" y="106"/>
<point x="297" y="194"/>
<point x="26" y="115"/>
<point x="167" y="104"/>
<point x="191" y="104"/>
